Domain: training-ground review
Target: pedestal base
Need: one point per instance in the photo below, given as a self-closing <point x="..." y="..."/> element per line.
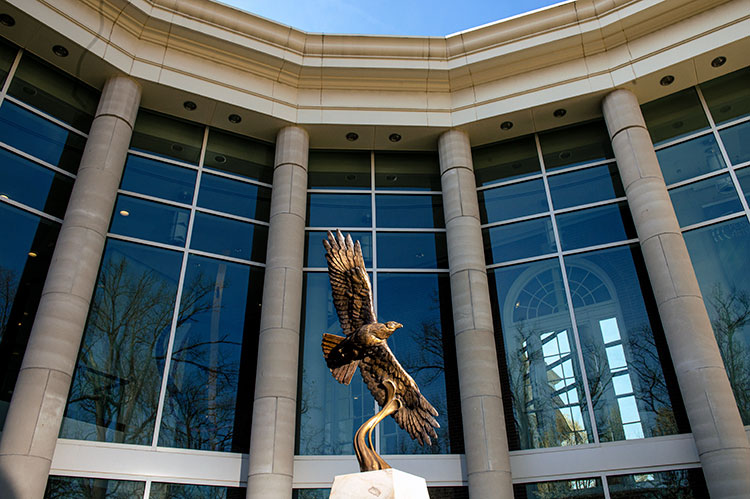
<point x="382" y="484"/>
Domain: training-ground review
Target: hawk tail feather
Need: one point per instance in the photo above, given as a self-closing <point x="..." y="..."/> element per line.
<point x="343" y="374"/>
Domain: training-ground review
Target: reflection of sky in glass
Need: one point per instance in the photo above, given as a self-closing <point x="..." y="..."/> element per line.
<point x="610" y="331"/>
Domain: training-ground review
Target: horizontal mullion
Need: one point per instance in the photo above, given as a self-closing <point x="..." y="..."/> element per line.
<point x="36" y="160"/>
<point x="516" y="220"/>
<point x="162" y="159"/>
<point x="130" y="239"/>
<point x="29" y="209"/>
<point x="239" y="178"/>
<point x="46" y="116"/>
<point x="713" y="221"/>
<point x="692" y="180"/>
<point x="231" y="216"/>
<point x="687" y="138"/>
<point x="226" y="258"/>
<point x="606" y="202"/>
<point x="615" y="244"/>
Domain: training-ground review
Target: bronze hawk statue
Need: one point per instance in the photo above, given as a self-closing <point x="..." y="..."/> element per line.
<point x="365" y="346"/>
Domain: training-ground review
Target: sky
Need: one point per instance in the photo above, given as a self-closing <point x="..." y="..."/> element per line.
<point x="387" y="17"/>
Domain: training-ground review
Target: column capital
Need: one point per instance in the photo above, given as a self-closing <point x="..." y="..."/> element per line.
<point x="621" y="110"/>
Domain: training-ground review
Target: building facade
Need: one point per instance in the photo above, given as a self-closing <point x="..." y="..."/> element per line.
<point x="554" y="205"/>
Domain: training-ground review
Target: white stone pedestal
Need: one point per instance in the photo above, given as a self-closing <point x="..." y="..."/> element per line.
<point x="383" y="484"/>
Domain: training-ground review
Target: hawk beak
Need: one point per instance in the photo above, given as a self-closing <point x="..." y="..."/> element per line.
<point x="397" y="325"/>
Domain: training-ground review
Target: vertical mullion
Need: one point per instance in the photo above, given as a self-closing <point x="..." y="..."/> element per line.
<point x="568" y="297"/>
<point x="11" y="74"/>
<point x="147" y="490"/>
<point x="373" y="229"/>
<point x="178" y="297"/>
<point x="724" y="154"/>
<point x="605" y="487"/>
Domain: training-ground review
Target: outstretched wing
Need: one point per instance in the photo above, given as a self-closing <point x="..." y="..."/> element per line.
<point x="416" y="415"/>
<point x="352" y="294"/>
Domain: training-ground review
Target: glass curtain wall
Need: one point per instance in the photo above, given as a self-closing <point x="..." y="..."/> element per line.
<point x="169" y="352"/>
<point x="582" y="356"/>
<point x="392" y="204"/>
<point x="702" y="141"/>
<point x="44" y="118"/>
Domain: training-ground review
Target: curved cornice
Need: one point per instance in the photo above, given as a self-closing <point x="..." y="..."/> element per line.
<point x="573" y="51"/>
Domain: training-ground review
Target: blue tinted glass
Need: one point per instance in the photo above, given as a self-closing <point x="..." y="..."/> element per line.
<point x="59" y="487"/>
<point x="512" y="201"/>
<point x="402" y="250"/>
<point x="339" y="210"/>
<point x="115" y="389"/>
<point x="7" y="55"/>
<point x="42" y="139"/>
<point x="621" y="350"/>
<point x="425" y="349"/>
<point x="690" y="159"/>
<point x="339" y="169"/>
<point x="728" y="97"/>
<point x="239" y="156"/>
<point x="183" y="491"/>
<point x="209" y="392"/>
<point x="600" y="225"/>
<point x="33" y="185"/>
<point x="674" y="116"/>
<point x="744" y="177"/>
<point x="519" y="240"/>
<point x="545" y="385"/>
<point x="720" y="254"/>
<point x="736" y="140"/>
<point x="409" y="211"/>
<point x="315" y="252"/>
<point x="167" y="137"/>
<point x="329" y="412"/>
<point x="25" y="255"/>
<point x="161" y="180"/>
<point x="704" y="200"/>
<point x="585" y="186"/>
<point x="575" y="145"/>
<point x="228" y="237"/>
<point x="148" y="220"/>
<point x="233" y="196"/>
<point x="506" y="160"/>
<point x="407" y="171"/>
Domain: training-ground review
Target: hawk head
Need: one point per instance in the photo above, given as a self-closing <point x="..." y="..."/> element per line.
<point x="387" y="329"/>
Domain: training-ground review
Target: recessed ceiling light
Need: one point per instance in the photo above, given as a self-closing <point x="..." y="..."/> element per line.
<point x="4" y="196"/>
<point x="177" y="147"/>
<point x="190" y="105"/>
<point x="124" y="213"/>
<point x="564" y="155"/>
<point x="718" y="61"/>
<point x="352" y="136"/>
<point x="666" y="81"/>
<point x="559" y="113"/>
<point x="506" y="125"/>
<point x="351" y="177"/>
<point x="391" y="178"/>
<point x="394" y="137"/>
<point x="234" y="118"/>
<point x="60" y="51"/>
<point x="220" y="158"/>
<point x="7" y="20"/>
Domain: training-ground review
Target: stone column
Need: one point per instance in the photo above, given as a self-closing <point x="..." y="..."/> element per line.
<point x="38" y="402"/>
<point x="275" y="406"/>
<point x="714" y="418"/>
<point x="487" y="458"/>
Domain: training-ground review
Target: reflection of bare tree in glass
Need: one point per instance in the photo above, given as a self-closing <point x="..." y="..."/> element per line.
<point x="92" y="488"/>
<point x="8" y="286"/>
<point x="117" y="381"/>
<point x="730" y="313"/>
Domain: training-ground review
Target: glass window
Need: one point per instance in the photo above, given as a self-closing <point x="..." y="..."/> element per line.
<point x="233" y="196"/>
<point x="682" y="484"/>
<point x="54" y="92"/>
<point x="744" y="178"/>
<point x="736" y="140"/>
<point x="674" y="116"/>
<point x="623" y="349"/>
<point x="149" y="220"/>
<point x="575" y="145"/>
<point x="311" y="493"/>
<point x="728" y="97"/>
<point x="583" y="488"/>
<point x="328" y="412"/>
<point x="155" y="178"/>
<point x="705" y="200"/>
<point x="116" y="383"/>
<point x="506" y="160"/>
<point x="66" y="487"/>
<point x="184" y="491"/>
<point x="315" y="252"/>
<point x="25" y="255"/>
<point x="592" y="226"/>
<point x="519" y="240"/>
<point x="167" y="137"/>
<point x="425" y="347"/>
<point x="433" y="492"/>
<point x="210" y="389"/>
<point x="398" y="250"/>
<point x="39" y="137"/>
<point x="33" y="185"/>
<point x="228" y="237"/>
<point x="407" y="171"/>
<point x="721" y="257"/>
<point x="239" y="156"/>
<point x="512" y="201"/>
<point x="7" y="56"/>
<point x="690" y="159"/>
<point x="543" y="374"/>
<point x="395" y="211"/>
<point x="339" y="170"/>
<point x="585" y="186"/>
<point x="339" y="210"/>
